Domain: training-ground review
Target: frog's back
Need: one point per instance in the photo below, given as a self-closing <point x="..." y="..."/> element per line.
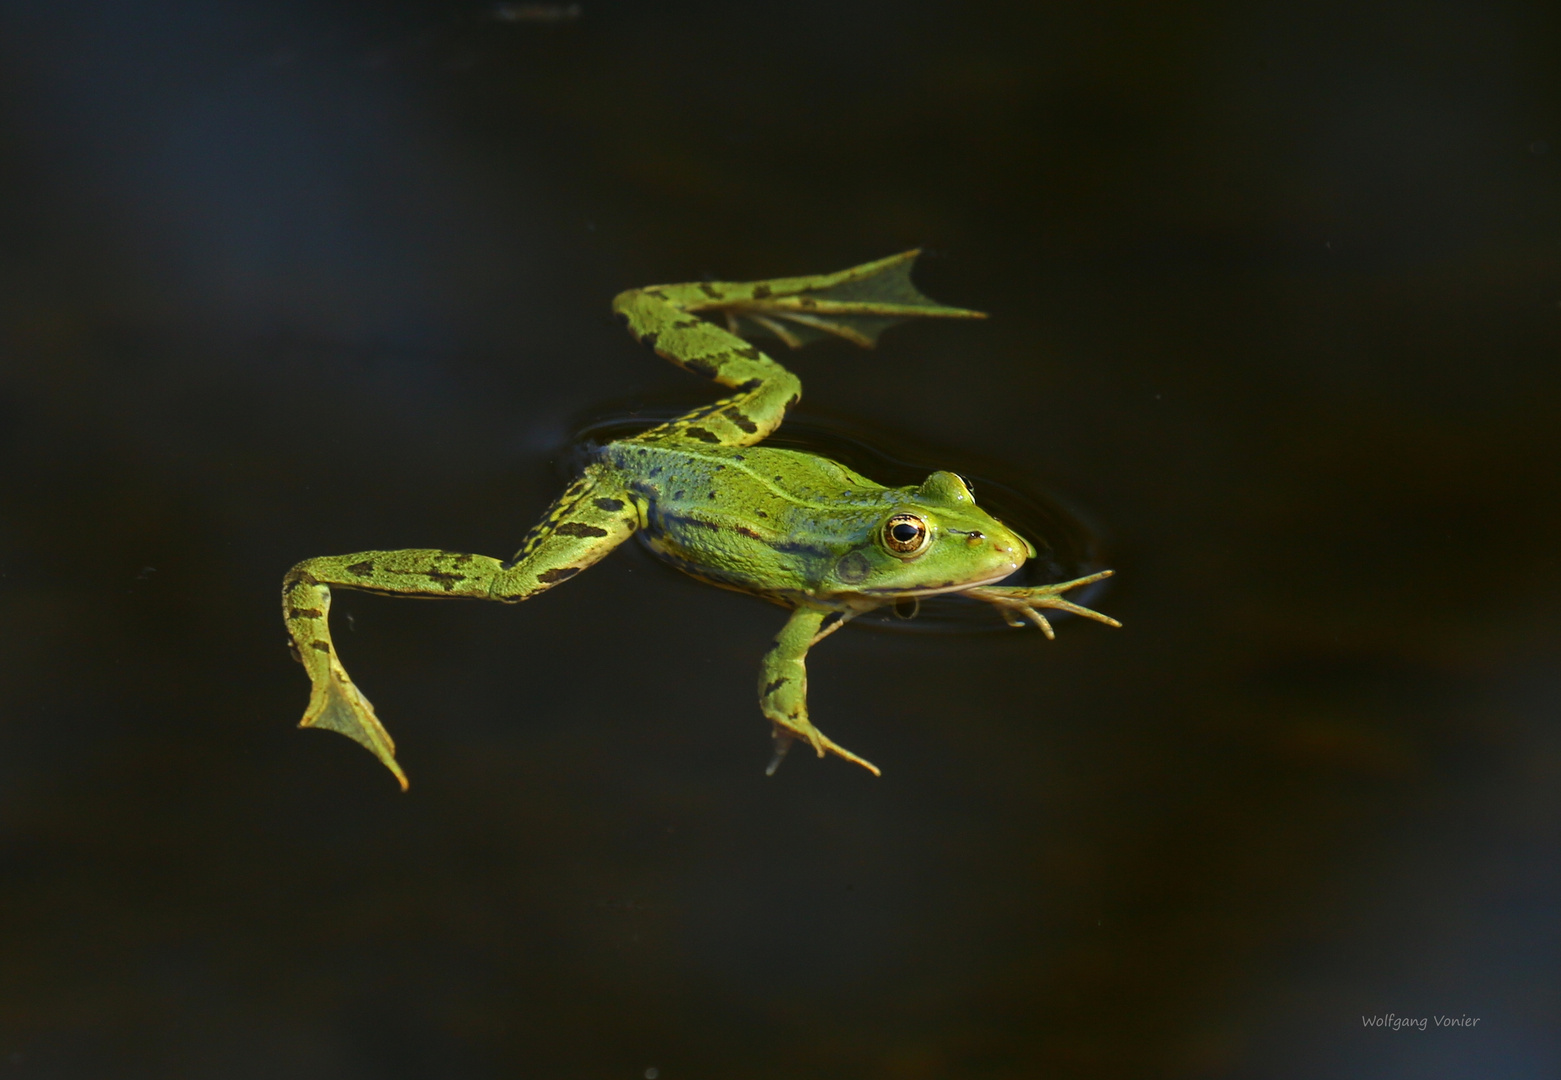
<point x="758" y="519"/>
<point x="752" y="475"/>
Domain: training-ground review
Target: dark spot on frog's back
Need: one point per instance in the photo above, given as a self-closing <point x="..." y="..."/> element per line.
<point x="771" y="687"/>
<point x="320" y="645"/>
<point x="853" y="568"/>
<point x="746" y="531"/>
<point x="701" y="367"/>
<point x="444" y="578"/>
<point x="742" y="422"/>
<point x="580" y="529"/>
<point x="562" y="573"/>
<point x="612" y="506"/>
<point x="362" y="569"/>
<point x="650" y="339"/>
<point x="711" y="291"/>
<point x="702" y="434"/>
<point x="761" y="291"/>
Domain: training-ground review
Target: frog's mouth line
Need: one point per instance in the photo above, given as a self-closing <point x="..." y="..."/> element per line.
<point x="948" y="587"/>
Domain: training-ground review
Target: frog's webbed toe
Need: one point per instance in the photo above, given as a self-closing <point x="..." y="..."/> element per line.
<point x="336" y="704"/>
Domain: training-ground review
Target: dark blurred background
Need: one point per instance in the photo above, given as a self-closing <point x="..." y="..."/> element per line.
<point x="1276" y="299"/>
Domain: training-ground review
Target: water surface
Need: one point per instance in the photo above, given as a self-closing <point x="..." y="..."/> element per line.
<point x="1274" y="297"/>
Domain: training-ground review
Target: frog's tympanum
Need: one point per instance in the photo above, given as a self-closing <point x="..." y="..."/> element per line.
<point x="794" y="528"/>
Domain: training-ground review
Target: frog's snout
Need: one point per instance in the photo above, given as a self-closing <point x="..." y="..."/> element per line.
<point x="1011" y="544"/>
<point x="1005" y="543"/>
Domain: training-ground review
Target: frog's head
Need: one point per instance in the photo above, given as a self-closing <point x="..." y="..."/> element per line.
<point x="933" y="539"/>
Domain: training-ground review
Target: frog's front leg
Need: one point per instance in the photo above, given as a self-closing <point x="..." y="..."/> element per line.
<point x="783" y="684"/>
<point x="1018" y="603"/>
<point x="591" y="519"/>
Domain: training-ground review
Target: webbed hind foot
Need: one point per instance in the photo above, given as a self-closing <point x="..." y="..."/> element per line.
<point x="336" y="704"/>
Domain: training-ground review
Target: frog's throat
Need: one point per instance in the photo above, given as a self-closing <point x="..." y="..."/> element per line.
<point x="934" y="590"/>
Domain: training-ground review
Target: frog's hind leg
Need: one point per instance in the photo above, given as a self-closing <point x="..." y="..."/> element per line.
<point x="783" y="685"/>
<point x="587" y="522"/>
<point x="855" y="304"/>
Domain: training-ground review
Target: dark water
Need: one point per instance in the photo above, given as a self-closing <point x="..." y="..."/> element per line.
<point x="1276" y="299"/>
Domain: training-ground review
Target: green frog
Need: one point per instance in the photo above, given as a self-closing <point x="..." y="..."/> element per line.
<point x="795" y="528"/>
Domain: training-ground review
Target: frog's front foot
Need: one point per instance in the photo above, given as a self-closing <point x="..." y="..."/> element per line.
<point x="791" y="728"/>
<point x="1018" y="603"/>
<point x="783" y="686"/>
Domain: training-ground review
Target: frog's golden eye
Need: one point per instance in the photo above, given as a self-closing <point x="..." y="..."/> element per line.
<point x="906" y="535"/>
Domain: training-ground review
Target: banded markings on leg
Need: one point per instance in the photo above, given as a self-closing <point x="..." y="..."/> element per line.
<point x="589" y="509"/>
<point x="783" y="686"/>
<point x="855" y="304"/>
<point x="765" y="389"/>
<point x="597" y="520"/>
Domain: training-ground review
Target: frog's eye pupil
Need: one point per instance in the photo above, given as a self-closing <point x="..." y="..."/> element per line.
<point x="905" y="532"/>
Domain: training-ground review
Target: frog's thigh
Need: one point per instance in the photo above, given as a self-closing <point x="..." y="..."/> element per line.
<point x="783" y="686"/>
<point x="592" y="516"/>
